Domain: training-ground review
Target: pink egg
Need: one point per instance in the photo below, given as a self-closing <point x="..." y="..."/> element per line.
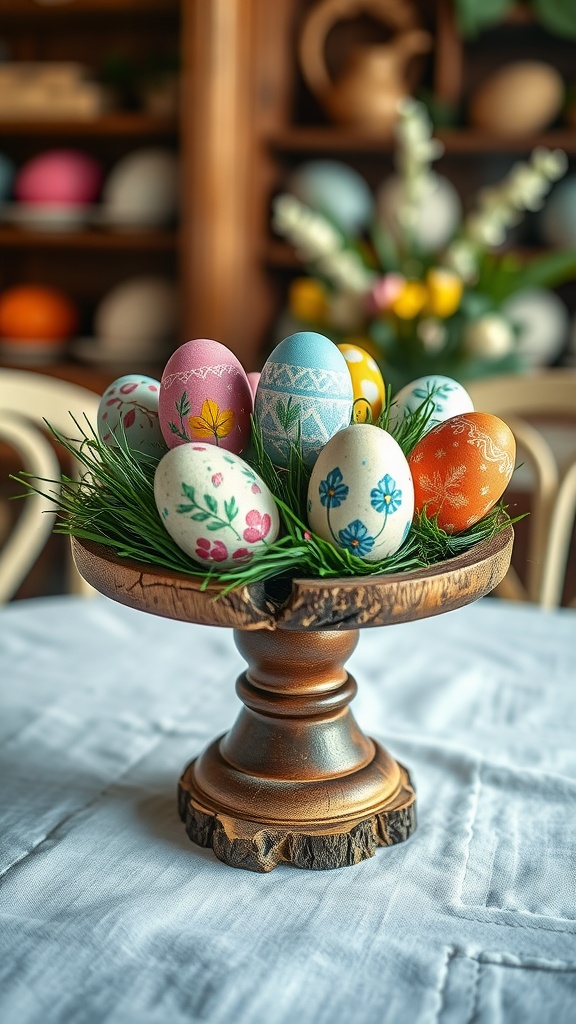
<point x="253" y="380"/>
<point x="205" y="396"/>
<point x="62" y="176"/>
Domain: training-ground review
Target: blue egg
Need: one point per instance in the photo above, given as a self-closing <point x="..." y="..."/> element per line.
<point x="334" y="188"/>
<point x="7" y="172"/>
<point x="305" y="388"/>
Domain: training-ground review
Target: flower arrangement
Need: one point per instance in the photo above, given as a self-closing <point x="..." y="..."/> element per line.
<point x="416" y="310"/>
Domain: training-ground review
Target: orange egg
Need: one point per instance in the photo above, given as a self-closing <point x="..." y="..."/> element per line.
<point x="461" y="468"/>
<point x="36" y="312"/>
<point x="367" y="383"/>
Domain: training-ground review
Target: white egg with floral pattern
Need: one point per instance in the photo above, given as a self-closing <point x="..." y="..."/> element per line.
<point x="214" y="506"/>
<point x="128" y="416"/>
<point x="361" y="494"/>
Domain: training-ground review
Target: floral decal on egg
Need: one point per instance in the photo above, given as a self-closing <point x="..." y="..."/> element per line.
<point x="212" y="423"/>
<point x="208" y="510"/>
<point x="385" y="499"/>
<point x="125" y="408"/>
<point x="216" y="551"/>
<point x="356" y="539"/>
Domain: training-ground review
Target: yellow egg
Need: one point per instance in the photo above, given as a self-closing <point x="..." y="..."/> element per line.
<point x="367" y="383"/>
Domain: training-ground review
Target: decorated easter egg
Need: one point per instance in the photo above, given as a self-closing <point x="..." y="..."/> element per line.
<point x="214" y="506"/>
<point x="367" y="383"/>
<point x="446" y="398"/>
<point x="360" y="496"/>
<point x="489" y="337"/>
<point x="336" y="189"/>
<point x="66" y="176"/>
<point x="461" y="468"/>
<point x="128" y="412"/>
<point x="557" y="221"/>
<point x="541" y="321"/>
<point x="138" y="317"/>
<point x="521" y="97"/>
<point x="37" y="311"/>
<point x="437" y="210"/>
<point x="142" y="189"/>
<point x="305" y="390"/>
<point x="205" y="396"/>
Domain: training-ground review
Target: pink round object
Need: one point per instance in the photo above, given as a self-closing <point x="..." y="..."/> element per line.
<point x="59" y="176"/>
<point x="253" y="380"/>
<point x="205" y="396"/>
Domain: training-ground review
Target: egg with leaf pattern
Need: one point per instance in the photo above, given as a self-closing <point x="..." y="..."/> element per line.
<point x="205" y="396"/>
<point x="444" y="397"/>
<point x="214" y="505"/>
<point x="304" y="394"/>
<point x="461" y="468"/>
<point x="128" y="415"/>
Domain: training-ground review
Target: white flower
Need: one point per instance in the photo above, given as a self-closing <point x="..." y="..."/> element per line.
<point x="318" y="242"/>
<point x="524" y="188"/>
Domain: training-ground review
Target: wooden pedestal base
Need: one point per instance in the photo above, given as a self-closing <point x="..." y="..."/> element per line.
<point x="295" y="779"/>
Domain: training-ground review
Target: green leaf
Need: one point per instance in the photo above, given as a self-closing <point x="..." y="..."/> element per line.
<point x="184" y="509"/>
<point x="188" y="492"/>
<point x="472" y="16"/>
<point x="558" y="16"/>
<point x="550" y="269"/>
<point x="183" y="406"/>
<point x="200" y="517"/>
<point x="211" y="503"/>
<point x="231" y="509"/>
<point x="216" y="524"/>
<point x="385" y="247"/>
<point x="502" y="276"/>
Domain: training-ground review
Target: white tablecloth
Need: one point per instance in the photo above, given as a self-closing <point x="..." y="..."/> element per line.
<point x="109" y="913"/>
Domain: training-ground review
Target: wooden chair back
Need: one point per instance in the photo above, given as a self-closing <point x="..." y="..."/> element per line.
<point x="27" y="399"/>
<point x="540" y="409"/>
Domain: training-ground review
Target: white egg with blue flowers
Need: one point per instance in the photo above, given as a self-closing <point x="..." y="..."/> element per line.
<point x="361" y="494"/>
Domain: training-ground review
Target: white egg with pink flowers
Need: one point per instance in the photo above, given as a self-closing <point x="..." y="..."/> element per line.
<point x="128" y="416"/>
<point x="214" y="506"/>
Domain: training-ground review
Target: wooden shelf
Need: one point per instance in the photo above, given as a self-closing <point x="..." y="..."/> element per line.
<point x="30" y="8"/>
<point x="281" y="256"/>
<point x="119" y="124"/>
<point x="334" y="139"/>
<point x="150" y="241"/>
<point x="95" y="378"/>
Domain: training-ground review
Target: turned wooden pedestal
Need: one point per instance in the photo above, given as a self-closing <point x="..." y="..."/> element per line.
<point x="295" y="779"/>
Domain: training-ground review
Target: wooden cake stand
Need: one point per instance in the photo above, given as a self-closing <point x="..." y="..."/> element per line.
<point x="295" y="779"/>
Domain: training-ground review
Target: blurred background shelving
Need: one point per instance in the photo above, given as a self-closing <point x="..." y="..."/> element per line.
<point x="245" y="119"/>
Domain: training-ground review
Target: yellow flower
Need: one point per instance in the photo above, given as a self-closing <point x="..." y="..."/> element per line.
<point x="307" y="300"/>
<point x="444" y="292"/>
<point x="410" y="301"/>
<point x="211" y="422"/>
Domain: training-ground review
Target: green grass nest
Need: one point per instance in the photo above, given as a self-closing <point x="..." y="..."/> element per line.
<point x="113" y="504"/>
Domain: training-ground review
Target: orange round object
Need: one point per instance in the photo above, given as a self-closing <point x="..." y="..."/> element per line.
<point x="36" y="312"/>
<point x="461" y="468"/>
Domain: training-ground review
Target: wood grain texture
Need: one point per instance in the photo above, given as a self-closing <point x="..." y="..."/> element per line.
<point x="261" y="847"/>
<point x="295" y="779"/>
<point x="312" y="603"/>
